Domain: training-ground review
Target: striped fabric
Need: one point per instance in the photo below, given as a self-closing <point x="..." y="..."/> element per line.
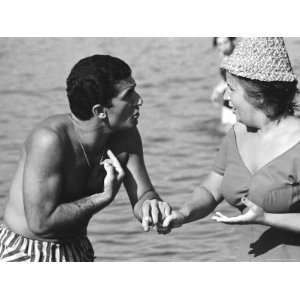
<point x="15" y="247"/>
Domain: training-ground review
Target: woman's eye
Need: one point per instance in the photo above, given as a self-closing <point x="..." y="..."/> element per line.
<point x="230" y="88"/>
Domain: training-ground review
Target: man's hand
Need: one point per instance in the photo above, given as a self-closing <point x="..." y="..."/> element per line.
<point x="154" y="212"/>
<point x="96" y="179"/>
<point x="114" y="175"/>
<point x="98" y="173"/>
<point x="254" y="215"/>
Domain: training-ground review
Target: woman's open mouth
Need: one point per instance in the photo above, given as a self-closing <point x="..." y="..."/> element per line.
<point x="136" y="116"/>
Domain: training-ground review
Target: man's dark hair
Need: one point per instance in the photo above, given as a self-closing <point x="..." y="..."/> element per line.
<point x="92" y="81"/>
<point x="278" y="96"/>
<point x="231" y="39"/>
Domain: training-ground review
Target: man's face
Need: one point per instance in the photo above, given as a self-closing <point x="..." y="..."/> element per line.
<point x="124" y="110"/>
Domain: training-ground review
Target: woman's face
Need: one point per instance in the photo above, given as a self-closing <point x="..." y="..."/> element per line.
<point x="225" y="45"/>
<point x="245" y="112"/>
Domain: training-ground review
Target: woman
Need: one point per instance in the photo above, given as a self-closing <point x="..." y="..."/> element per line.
<point x="257" y="169"/>
<point x="225" y="46"/>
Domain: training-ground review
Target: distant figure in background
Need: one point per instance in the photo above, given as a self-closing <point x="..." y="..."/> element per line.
<point x="64" y="176"/>
<point x="225" y="45"/>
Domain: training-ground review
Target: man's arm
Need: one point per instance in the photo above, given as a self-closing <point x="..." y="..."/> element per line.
<point x="146" y="203"/>
<point x="42" y="188"/>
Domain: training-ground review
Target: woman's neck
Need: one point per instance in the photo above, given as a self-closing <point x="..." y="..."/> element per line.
<point x="265" y="126"/>
<point x="271" y="126"/>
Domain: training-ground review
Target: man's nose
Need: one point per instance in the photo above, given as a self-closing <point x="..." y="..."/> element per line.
<point x="139" y="101"/>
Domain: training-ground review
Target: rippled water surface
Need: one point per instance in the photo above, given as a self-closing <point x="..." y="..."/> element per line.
<point x="178" y="124"/>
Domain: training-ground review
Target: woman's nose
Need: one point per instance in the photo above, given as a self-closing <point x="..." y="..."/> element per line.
<point x="226" y="95"/>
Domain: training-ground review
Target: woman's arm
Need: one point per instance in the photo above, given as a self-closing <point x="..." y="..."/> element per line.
<point x="204" y="201"/>
<point x="290" y="221"/>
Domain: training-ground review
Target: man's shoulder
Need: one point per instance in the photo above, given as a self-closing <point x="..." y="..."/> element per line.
<point x="43" y="136"/>
<point x="47" y="132"/>
<point x="45" y="139"/>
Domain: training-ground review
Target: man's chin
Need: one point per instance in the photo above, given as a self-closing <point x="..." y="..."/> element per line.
<point x="133" y="122"/>
<point x="129" y="125"/>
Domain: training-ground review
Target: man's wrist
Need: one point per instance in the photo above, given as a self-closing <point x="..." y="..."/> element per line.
<point x="149" y="195"/>
<point x="101" y="199"/>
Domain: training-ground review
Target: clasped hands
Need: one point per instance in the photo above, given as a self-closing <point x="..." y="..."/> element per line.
<point x="158" y="215"/>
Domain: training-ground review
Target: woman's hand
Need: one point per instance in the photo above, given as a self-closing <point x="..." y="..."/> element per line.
<point x="173" y="220"/>
<point x="254" y="215"/>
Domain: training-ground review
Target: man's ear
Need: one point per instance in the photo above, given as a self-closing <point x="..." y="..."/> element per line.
<point x="98" y="111"/>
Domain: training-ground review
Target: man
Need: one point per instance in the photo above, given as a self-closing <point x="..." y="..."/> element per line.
<point x="68" y="171"/>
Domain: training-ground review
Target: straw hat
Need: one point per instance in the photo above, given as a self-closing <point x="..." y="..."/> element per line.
<point x="260" y="58"/>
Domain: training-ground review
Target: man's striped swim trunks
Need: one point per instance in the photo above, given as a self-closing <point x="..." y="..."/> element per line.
<point x="15" y="247"/>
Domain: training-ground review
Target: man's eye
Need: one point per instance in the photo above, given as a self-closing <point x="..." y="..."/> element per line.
<point x="128" y="93"/>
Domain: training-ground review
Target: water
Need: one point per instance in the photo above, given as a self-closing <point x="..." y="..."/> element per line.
<point x="178" y="124"/>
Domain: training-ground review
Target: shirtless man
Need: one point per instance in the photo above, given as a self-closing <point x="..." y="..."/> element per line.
<point x="68" y="170"/>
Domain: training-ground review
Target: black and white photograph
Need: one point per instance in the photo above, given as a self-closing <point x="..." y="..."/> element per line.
<point x="150" y="149"/>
